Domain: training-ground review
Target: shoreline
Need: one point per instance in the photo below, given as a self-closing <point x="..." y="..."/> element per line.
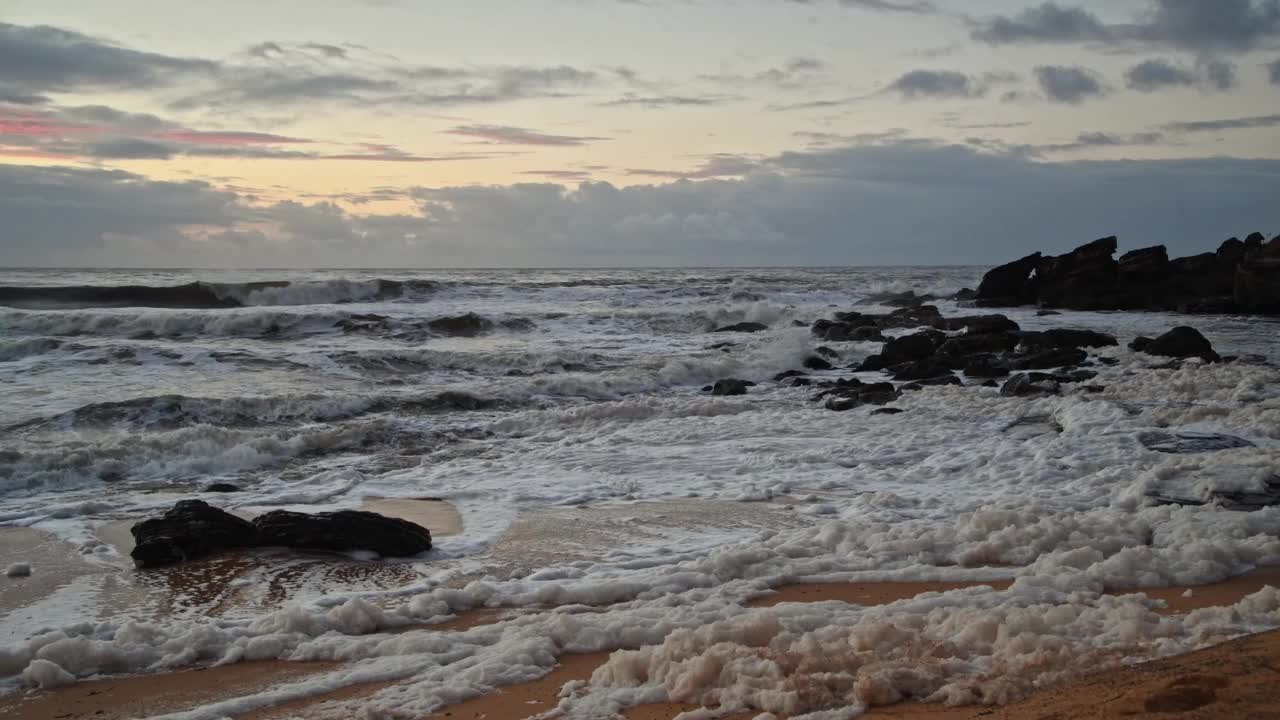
<point x="120" y="697"/>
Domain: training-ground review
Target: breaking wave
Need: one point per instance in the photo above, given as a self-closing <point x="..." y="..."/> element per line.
<point x="203" y="296"/>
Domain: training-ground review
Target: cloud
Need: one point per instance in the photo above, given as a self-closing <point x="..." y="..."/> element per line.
<point x="1273" y="72"/>
<point x="795" y="74"/>
<point x="1159" y="74"/>
<point x="1070" y="85"/>
<point x="713" y="166"/>
<point x="890" y="6"/>
<point x="1094" y="140"/>
<point x="1196" y="25"/>
<point x="935" y="84"/>
<point x="663" y="102"/>
<point x="507" y="135"/>
<point x="872" y="204"/>
<point x="1242" y="123"/>
<point x="42" y="59"/>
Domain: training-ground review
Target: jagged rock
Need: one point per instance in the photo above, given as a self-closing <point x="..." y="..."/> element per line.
<point x="222" y="487"/>
<point x="743" y="327"/>
<point x="730" y="386"/>
<point x="922" y="316"/>
<point x="1140" y="343"/>
<point x="979" y="324"/>
<point x="965" y="345"/>
<point x="827" y="352"/>
<point x="342" y="531"/>
<point x="986" y="366"/>
<point x="1182" y="342"/>
<point x="468" y="325"/>
<point x="1068" y="338"/>
<point x="1023" y="385"/>
<point x="1056" y="357"/>
<point x="964" y="295"/>
<point x="947" y="379"/>
<point x="1008" y="284"/>
<point x="813" y="362"/>
<point x="921" y="370"/>
<point x="1185" y="443"/>
<point x="189" y="530"/>
<point x="916" y="346"/>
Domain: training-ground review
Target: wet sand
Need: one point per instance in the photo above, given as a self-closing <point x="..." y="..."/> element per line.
<point x="119" y="698"/>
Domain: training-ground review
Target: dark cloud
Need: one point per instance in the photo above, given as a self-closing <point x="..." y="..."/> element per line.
<point x="1220" y="74"/>
<point x="1094" y="140"/>
<point x="1152" y="75"/>
<point x="506" y="135"/>
<point x="1070" y="85"/>
<point x="126" y="149"/>
<point x="41" y="59"/>
<point x="1244" y="123"/>
<point x="1197" y="25"/>
<point x="936" y="84"/>
<point x="890" y="6"/>
<point x="1273" y="72"/>
<point x="872" y="204"/>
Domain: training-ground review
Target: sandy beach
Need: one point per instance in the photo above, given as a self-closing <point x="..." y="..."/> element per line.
<point x="1236" y="677"/>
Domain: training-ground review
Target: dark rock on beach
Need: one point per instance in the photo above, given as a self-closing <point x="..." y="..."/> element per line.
<point x="888" y="411"/>
<point x="189" y="530"/>
<point x="813" y="362"/>
<point x="343" y="531"/>
<point x="222" y="487"/>
<point x="1180" y="342"/>
<point x="1027" y="385"/>
<point x="916" y="346"/>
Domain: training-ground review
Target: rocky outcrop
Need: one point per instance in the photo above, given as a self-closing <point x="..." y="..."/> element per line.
<point x="192" y="529"/>
<point x="343" y="531"/>
<point x="743" y="327"/>
<point x="189" y="530"/>
<point x="469" y="325"/>
<point x="730" y="386"/>
<point x="1238" y="277"/>
<point x="1180" y="342"/>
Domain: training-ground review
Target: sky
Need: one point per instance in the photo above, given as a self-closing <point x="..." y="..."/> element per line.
<point x="610" y="133"/>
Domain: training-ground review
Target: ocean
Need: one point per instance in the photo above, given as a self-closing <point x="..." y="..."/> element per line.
<point x="562" y="433"/>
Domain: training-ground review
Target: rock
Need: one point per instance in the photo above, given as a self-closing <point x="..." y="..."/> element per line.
<point x="965" y="295"/>
<point x="990" y="384"/>
<point x="1067" y="377"/>
<point x="1068" y="338"/>
<point x="872" y="363"/>
<point x="1144" y="263"/>
<point x="468" y="325"/>
<point x="1256" y="285"/>
<point x="343" y="531"/>
<point x="922" y="316"/>
<point x="921" y="370"/>
<point x="18" y="570"/>
<point x="866" y="333"/>
<point x="986" y="366"/>
<point x="1057" y="357"/>
<point x="856" y="319"/>
<point x="787" y="374"/>
<point x="729" y="386"/>
<point x="1182" y="342"/>
<point x="743" y="327"/>
<point x="939" y="380"/>
<point x="966" y="345"/>
<point x="827" y="352"/>
<point x="888" y="411"/>
<point x="1184" y="443"/>
<point x="1046" y="313"/>
<point x="907" y="298"/>
<point x="1024" y="386"/>
<point x="1009" y="283"/>
<point x="979" y="324"/>
<point x="916" y="346"/>
<point x="222" y="487"/>
<point x="852" y="393"/>
<point x="1140" y="343"/>
<point x="1033" y="425"/>
<point x="190" y="529"/>
<point x="813" y="362"/>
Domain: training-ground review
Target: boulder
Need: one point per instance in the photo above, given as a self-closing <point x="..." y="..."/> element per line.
<point x="922" y="316"/>
<point x="189" y="530"/>
<point x="743" y="327"/>
<point x="787" y="375"/>
<point x="222" y="487"/>
<point x="1068" y="338"/>
<point x="1182" y="342"/>
<point x="986" y="366"/>
<point x="813" y="362"/>
<point x="1140" y="343"/>
<point x="827" y="352"/>
<point x="729" y="386"/>
<point x="1008" y="284"/>
<point x="1056" y="357"/>
<point x="888" y="411"/>
<point x="947" y="379"/>
<point x="468" y="325"/>
<point x="343" y="531"/>
<point x="1144" y="263"/>
<point x="853" y="393"/>
<point x="916" y="346"/>
<point x="872" y="363"/>
<point x="966" y="345"/>
<point x="921" y="370"/>
<point x="907" y="298"/>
